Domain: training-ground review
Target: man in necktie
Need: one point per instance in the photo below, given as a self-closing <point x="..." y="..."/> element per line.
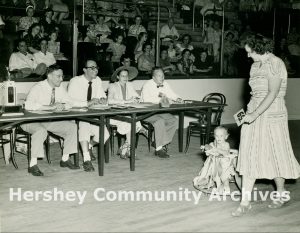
<point x="165" y="124"/>
<point x="88" y="87"/>
<point x="50" y="95"/>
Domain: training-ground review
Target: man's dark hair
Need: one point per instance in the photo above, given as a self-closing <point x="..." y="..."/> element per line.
<point x="53" y="68"/>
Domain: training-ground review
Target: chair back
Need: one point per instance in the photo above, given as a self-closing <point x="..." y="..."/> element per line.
<point x="217" y="111"/>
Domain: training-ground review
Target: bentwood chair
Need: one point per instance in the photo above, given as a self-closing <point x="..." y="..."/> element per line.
<point x="24" y="137"/>
<point x="198" y="128"/>
<point x="6" y="136"/>
<point x="113" y="132"/>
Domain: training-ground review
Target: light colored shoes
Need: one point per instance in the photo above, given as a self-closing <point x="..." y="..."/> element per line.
<point x="276" y="204"/>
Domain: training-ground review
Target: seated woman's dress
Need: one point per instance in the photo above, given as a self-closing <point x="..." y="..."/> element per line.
<point x="117" y="95"/>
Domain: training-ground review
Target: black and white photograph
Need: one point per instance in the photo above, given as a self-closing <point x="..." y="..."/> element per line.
<point x="149" y="115"/>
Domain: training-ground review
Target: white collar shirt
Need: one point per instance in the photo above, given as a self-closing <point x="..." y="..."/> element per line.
<point x="166" y="31"/>
<point x="18" y="61"/>
<point x="40" y="95"/>
<point x="48" y="58"/>
<point x="78" y="88"/>
<point x="151" y="93"/>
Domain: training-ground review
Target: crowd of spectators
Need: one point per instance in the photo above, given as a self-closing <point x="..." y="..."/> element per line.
<point x="122" y="29"/>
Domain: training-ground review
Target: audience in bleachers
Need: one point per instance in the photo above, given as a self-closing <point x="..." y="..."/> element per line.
<point x="33" y="38"/>
<point x="231" y="29"/>
<point x="152" y="41"/>
<point x="230" y="49"/>
<point x="169" y="32"/>
<point x="43" y="56"/>
<point x="186" y="63"/>
<point x="217" y="41"/>
<point x="165" y="62"/>
<point x="16" y="7"/>
<point x="54" y="46"/>
<point x="112" y="24"/>
<point x="137" y="28"/>
<point x="22" y="63"/>
<point x="172" y="51"/>
<point x="185" y="43"/>
<point x="118" y="49"/>
<point x="102" y="28"/>
<point x="138" y="51"/>
<point x="26" y="21"/>
<point x="146" y="61"/>
<point x="47" y="24"/>
<point x="60" y="9"/>
<point x="204" y="64"/>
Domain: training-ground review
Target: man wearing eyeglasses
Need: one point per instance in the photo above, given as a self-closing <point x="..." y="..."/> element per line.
<point x="50" y="95"/>
<point x="88" y="87"/>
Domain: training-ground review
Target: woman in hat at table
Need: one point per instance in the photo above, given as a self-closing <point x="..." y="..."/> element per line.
<point x="122" y="92"/>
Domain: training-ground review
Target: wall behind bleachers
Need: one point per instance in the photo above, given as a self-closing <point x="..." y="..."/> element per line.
<point x="195" y="89"/>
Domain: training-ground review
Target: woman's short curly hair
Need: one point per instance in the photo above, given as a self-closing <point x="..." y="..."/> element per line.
<point x="260" y="44"/>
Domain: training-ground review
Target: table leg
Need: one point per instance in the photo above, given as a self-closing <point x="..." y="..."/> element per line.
<point x="101" y="147"/>
<point x="76" y="156"/>
<point x="132" y="143"/>
<point x="106" y="145"/>
<point x="180" y="130"/>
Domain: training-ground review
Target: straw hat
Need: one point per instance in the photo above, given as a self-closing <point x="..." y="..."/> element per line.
<point x="132" y="72"/>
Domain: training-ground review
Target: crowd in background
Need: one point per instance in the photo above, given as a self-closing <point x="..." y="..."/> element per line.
<point x="115" y="29"/>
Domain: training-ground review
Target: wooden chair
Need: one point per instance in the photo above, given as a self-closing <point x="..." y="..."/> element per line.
<point x="198" y="128"/>
<point x="113" y="132"/>
<point x="3" y="141"/>
<point x="24" y="137"/>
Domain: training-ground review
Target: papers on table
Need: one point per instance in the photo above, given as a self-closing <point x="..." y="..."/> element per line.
<point x="99" y="107"/>
<point x="131" y="105"/>
<point x="13" y="114"/>
<point x="41" y="112"/>
<point x="78" y="109"/>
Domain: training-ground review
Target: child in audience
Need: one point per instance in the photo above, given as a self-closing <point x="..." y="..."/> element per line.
<point x="165" y="62"/>
<point x="117" y="49"/>
<point x="171" y="51"/>
<point x="219" y="165"/>
<point x="54" y="46"/>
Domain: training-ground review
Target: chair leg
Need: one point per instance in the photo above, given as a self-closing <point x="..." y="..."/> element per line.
<point x="202" y="139"/>
<point x="149" y="138"/>
<point x="188" y="138"/>
<point x="137" y="136"/>
<point x="47" y="145"/>
<point x="119" y="140"/>
<point x="111" y="140"/>
<point x="12" y="152"/>
<point x="29" y="149"/>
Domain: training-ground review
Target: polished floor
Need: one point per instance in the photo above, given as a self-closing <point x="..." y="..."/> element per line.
<point x="36" y="211"/>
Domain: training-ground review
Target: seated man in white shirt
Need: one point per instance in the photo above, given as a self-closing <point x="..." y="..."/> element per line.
<point x="165" y="124"/>
<point x="169" y="32"/>
<point x="49" y="94"/>
<point x="88" y="87"/>
<point x="22" y="63"/>
<point x="43" y="56"/>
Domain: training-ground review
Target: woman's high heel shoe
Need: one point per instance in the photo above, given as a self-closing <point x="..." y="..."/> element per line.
<point x="276" y="204"/>
<point x="241" y="210"/>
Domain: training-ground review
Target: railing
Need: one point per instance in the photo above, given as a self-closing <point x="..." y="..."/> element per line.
<point x="121" y="2"/>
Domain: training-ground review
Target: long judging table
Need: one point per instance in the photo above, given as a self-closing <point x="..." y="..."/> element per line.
<point x="130" y="114"/>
